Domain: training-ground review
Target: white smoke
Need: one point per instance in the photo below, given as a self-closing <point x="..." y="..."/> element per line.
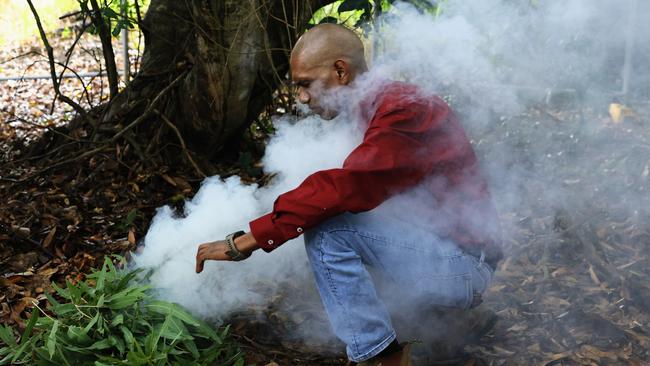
<point x="224" y="206"/>
<point x="501" y="53"/>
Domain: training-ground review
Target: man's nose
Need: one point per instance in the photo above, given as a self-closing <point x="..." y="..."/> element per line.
<point x="303" y="96"/>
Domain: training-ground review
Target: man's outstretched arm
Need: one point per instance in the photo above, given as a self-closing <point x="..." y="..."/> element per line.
<point x="218" y="250"/>
<point x="406" y="140"/>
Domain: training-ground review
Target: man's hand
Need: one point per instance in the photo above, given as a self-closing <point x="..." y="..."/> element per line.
<point x="217" y="250"/>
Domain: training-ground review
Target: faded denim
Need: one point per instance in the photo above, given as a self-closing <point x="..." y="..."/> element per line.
<point x="354" y="256"/>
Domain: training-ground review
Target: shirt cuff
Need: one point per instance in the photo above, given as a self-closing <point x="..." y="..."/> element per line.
<point x="267" y="236"/>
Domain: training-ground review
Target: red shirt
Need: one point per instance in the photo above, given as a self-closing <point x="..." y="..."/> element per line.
<point x="411" y="138"/>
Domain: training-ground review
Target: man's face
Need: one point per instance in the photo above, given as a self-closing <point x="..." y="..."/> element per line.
<point x="316" y="86"/>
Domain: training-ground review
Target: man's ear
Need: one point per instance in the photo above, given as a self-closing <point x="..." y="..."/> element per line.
<point x="342" y="72"/>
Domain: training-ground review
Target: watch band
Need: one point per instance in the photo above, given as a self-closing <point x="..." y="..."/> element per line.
<point x="233" y="252"/>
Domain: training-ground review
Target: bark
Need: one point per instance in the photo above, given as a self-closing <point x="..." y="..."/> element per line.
<point x="235" y="54"/>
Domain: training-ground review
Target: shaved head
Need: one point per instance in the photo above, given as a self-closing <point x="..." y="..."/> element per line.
<point x="327" y="43"/>
<point x="324" y="60"/>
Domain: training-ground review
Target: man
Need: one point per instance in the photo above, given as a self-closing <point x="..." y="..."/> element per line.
<point x="413" y="149"/>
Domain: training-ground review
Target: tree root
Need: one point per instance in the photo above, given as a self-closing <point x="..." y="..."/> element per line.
<point x="103" y="146"/>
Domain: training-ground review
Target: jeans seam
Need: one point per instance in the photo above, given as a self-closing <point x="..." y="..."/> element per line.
<point x="375" y="350"/>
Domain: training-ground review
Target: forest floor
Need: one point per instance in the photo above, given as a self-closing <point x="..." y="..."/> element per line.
<point x="572" y="290"/>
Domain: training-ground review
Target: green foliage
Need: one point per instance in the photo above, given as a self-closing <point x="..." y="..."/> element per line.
<point x="109" y="319"/>
<point x="348" y="12"/>
<point x="355" y="13"/>
<point x="117" y="14"/>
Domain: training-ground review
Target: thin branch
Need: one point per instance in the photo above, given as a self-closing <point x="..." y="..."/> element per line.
<point x="72" y="14"/>
<point x="107" y="46"/>
<point x="137" y="12"/>
<point x="17" y="57"/>
<point x="182" y="142"/>
<point x="136" y="66"/>
<point x="50" y="56"/>
<point x="68" y="53"/>
<point x="49" y="128"/>
<point x="76" y="74"/>
<point x="37" y="157"/>
<point x="287" y="25"/>
<point x="81" y="80"/>
<point x="64" y="162"/>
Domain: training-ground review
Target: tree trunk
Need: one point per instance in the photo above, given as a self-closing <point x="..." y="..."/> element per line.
<point x="235" y="54"/>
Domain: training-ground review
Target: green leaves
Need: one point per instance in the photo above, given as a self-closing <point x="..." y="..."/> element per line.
<point x="360" y="13"/>
<point x="110" y="319"/>
<point x="329" y="20"/>
<point x="129" y="219"/>
<point x="50" y="343"/>
<point x="363" y="9"/>
<point x="116" y="15"/>
<point x="174" y="310"/>
<point x="349" y="5"/>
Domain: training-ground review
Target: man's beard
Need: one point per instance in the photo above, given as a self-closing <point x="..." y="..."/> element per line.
<point x="331" y="103"/>
<point x="305" y="110"/>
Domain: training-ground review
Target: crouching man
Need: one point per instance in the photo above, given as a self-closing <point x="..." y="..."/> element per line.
<point x="445" y="253"/>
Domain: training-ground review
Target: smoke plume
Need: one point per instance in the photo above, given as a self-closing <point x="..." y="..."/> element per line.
<point x="490" y="58"/>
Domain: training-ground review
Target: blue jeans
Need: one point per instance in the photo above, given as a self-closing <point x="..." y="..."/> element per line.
<point x="357" y="256"/>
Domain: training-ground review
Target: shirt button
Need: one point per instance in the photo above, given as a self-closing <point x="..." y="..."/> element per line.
<point x="299" y="230"/>
<point x="270" y="242"/>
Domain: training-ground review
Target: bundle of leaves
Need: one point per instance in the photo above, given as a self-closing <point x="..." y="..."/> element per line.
<point x="111" y="319"/>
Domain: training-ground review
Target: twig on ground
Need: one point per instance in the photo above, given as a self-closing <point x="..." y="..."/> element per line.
<point x="37" y="157"/>
<point x="64" y="162"/>
<point x="53" y="130"/>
